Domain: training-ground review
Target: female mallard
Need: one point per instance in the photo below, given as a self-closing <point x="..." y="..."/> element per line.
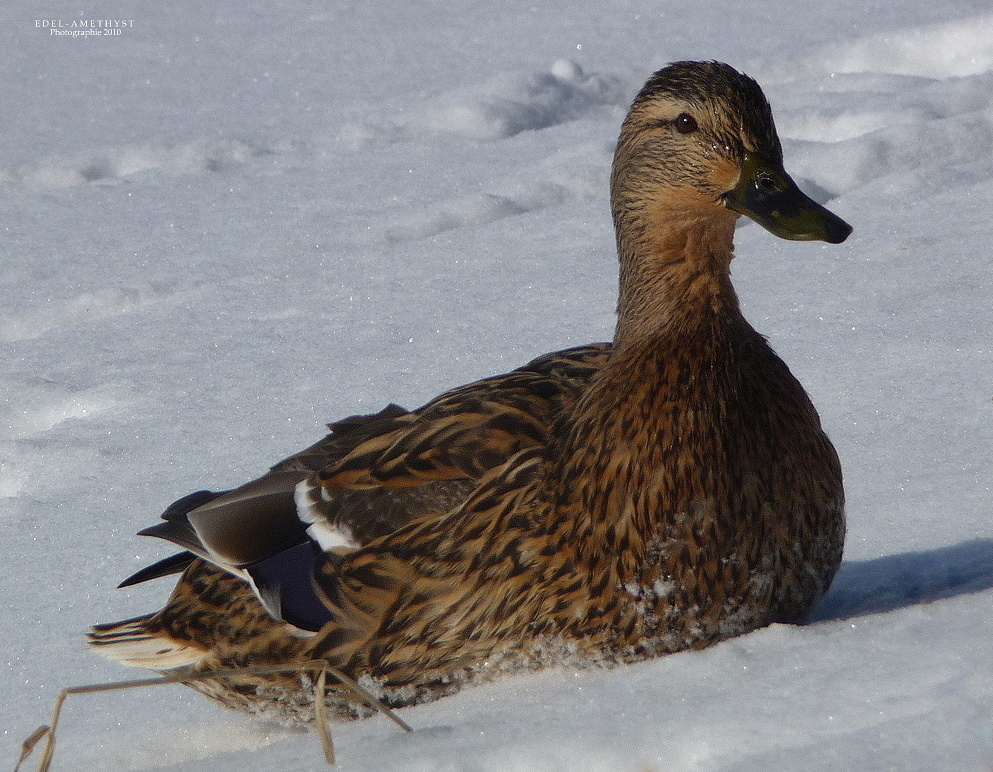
<point x="602" y="504"/>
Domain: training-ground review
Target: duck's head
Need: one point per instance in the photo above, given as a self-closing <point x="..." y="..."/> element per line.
<point x="700" y="140"/>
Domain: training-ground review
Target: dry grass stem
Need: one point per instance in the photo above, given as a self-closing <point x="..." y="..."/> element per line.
<point x="47" y="732"/>
<point x="321" y="716"/>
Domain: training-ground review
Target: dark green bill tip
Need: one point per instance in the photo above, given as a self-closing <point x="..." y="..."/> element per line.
<point x="766" y="193"/>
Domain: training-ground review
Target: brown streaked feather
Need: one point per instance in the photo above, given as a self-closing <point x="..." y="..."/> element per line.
<point x="472" y="429"/>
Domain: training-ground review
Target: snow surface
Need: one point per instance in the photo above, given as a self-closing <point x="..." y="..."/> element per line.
<point x="238" y="220"/>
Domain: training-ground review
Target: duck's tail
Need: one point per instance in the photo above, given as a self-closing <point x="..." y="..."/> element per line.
<point x="212" y="618"/>
<point x="142" y="642"/>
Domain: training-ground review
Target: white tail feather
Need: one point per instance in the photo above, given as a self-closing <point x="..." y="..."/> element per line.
<point x="131" y="643"/>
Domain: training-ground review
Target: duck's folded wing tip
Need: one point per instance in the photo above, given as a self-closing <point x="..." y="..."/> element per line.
<point x="181" y="507"/>
<point x="173" y="564"/>
<point x="179" y="532"/>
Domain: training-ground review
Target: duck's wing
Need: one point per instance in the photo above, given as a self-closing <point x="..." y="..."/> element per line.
<point x="374" y="473"/>
<point x="455" y="439"/>
<point x="469" y="430"/>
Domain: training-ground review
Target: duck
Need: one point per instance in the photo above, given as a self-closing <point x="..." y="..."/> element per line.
<point x="605" y="504"/>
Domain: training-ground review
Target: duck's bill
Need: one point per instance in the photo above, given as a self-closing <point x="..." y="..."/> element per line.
<point x="767" y="194"/>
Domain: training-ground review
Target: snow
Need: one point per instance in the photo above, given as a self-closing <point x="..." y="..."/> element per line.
<point x="232" y="223"/>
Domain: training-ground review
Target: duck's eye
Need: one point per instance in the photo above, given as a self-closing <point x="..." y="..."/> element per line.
<point x="766" y="182"/>
<point x="685" y="123"/>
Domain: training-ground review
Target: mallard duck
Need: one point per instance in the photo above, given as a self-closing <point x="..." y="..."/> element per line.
<point x="599" y="505"/>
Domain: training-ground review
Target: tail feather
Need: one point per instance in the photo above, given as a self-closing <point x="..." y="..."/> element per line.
<point x="138" y="643"/>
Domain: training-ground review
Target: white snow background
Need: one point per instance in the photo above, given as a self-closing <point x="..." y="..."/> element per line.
<point x="236" y="221"/>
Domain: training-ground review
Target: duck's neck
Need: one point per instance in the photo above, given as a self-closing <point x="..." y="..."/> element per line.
<point x="675" y="271"/>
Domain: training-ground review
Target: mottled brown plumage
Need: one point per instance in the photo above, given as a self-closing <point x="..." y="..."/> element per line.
<point x="599" y="505"/>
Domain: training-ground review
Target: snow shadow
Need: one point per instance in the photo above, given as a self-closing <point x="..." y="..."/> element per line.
<point x="897" y="581"/>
